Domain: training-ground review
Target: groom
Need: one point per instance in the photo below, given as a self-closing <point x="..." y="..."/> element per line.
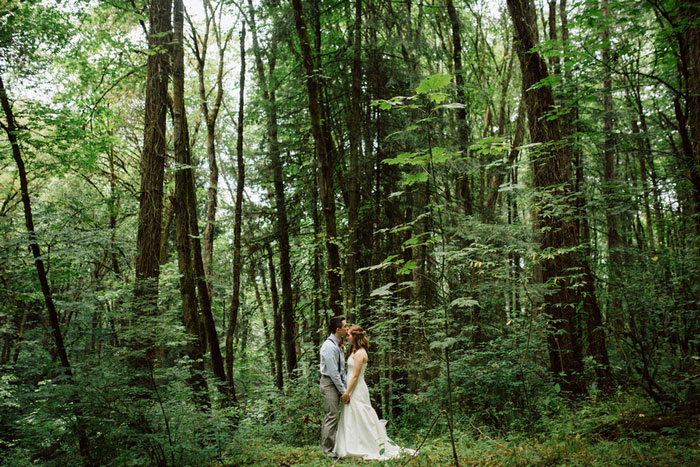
<point x="333" y="383"/>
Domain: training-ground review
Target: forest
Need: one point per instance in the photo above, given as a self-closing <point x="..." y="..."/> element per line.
<point x="505" y="195"/>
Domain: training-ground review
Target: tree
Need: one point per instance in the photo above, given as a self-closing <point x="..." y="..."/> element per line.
<point x="200" y="47"/>
<point x="325" y="152"/>
<point x="552" y="172"/>
<point x="240" y="183"/>
<point x="268" y="85"/>
<point x="182" y="214"/>
<point x="152" y="172"/>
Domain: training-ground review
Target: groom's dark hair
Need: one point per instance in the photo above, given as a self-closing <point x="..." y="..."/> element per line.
<point x="335" y="323"/>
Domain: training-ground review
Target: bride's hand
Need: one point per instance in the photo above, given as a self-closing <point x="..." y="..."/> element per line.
<point x="345" y="397"/>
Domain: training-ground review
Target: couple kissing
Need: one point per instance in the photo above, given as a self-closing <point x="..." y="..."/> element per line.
<point x="358" y="432"/>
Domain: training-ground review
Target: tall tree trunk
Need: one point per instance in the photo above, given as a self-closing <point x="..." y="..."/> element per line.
<point x="690" y="66"/>
<point x="325" y="155"/>
<point x="516" y="142"/>
<point x="276" y="321"/>
<point x="281" y="220"/>
<point x="200" y="47"/>
<point x="240" y="183"/>
<point x="252" y="267"/>
<point x="320" y="329"/>
<point x="644" y="176"/>
<point x="609" y="177"/>
<point x="551" y="168"/>
<point x="463" y="130"/>
<point x="113" y="209"/>
<point x="691" y="12"/>
<point x="152" y="172"/>
<point x="355" y="136"/>
<point x="180" y="208"/>
<point x="11" y="130"/>
<point x="168" y="215"/>
<point x="204" y="290"/>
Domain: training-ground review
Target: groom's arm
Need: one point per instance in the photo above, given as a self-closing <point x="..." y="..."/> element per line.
<point x="330" y="366"/>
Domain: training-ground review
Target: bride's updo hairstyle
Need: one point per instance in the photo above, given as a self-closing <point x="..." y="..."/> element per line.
<point x="359" y="339"/>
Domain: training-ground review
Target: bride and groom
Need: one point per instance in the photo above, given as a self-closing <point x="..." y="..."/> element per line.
<point x="358" y="432"/>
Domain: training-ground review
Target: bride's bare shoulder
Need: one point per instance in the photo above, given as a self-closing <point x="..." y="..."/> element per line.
<point x="361" y="354"/>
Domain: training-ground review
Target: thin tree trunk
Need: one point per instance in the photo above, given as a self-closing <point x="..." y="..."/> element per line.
<point x="180" y="208"/>
<point x="317" y="265"/>
<point x="609" y="177"/>
<point x="281" y="220"/>
<point x="276" y="321"/>
<point x="212" y="338"/>
<point x="355" y="136"/>
<point x="113" y="209"/>
<point x="210" y="115"/>
<point x="11" y="130"/>
<point x="517" y="141"/>
<point x="463" y="130"/>
<point x="252" y="266"/>
<point x="240" y="183"/>
<point x="325" y="153"/>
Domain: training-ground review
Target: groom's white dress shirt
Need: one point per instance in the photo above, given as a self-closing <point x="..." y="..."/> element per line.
<point x="333" y="362"/>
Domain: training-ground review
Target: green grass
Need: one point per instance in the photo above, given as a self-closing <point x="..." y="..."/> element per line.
<point x="572" y="450"/>
<point x="604" y="434"/>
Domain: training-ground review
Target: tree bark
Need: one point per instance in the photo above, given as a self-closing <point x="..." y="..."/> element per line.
<point x="690" y="53"/>
<point x="355" y="136"/>
<point x="180" y="208"/>
<point x="252" y="266"/>
<point x="152" y="172"/>
<point x="212" y="339"/>
<point x="552" y="163"/>
<point x="240" y="183"/>
<point x="325" y="154"/>
<point x="276" y="321"/>
<point x="463" y="130"/>
<point x="210" y="115"/>
<point x="609" y="177"/>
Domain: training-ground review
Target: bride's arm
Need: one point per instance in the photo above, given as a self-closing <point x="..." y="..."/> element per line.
<point x="360" y="359"/>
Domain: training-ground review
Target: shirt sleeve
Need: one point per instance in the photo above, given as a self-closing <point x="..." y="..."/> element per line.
<point x="330" y="365"/>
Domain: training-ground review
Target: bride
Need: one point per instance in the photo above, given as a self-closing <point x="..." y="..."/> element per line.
<point x="360" y="432"/>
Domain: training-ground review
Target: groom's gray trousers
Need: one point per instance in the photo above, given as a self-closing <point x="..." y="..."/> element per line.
<point x="331" y="401"/>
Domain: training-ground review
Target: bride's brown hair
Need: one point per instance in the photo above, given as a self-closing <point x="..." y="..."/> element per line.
<point x="359" y="339"/>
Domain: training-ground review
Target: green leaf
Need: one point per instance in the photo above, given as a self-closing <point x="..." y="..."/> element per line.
<point x="433" y="83"/>
<point x="442" y="155"/>
<point x="383" y="290"/>
<point x="402" y="158"/>
<point x="410" y="179"/>
<point x="384" y="264"/>
<point x="409" y="266"/>
<point x="557" y="388"/>
<point x="437" y="97"/>
<point x="449" y="342"/>
<point x="464" y="302"/>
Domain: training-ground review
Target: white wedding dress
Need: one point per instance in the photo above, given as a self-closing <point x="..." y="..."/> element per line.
<point x="360" y="432"/>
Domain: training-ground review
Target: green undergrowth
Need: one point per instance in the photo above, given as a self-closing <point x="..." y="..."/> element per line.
<point x="616" y="433"/>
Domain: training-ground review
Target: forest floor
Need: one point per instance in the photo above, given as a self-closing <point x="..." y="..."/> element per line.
<point x="640" y="450"/>
<point x="578" y="438"/>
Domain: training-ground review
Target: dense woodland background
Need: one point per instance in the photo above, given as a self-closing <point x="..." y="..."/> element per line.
<point x="506" y="196"/>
